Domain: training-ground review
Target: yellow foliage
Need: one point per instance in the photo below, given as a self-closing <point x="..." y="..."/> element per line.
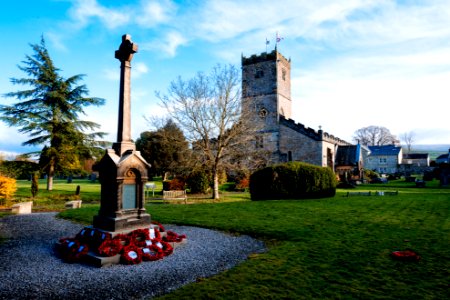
<point x="7" y="187"/>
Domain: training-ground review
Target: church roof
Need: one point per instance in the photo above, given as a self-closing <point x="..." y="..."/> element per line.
<point x="311" y="133"/>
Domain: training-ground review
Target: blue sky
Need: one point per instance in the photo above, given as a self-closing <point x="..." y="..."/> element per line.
<point x="355" y="63"/>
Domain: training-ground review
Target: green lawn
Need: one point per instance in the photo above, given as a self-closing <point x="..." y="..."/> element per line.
<point x="329" y="248"/>
<point x="62" y="192"/>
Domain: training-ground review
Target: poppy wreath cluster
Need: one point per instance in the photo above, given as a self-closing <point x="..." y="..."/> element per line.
<point x="72" y="250"/>
<point x="137" y="246"/>
<point x="406" y="255"/>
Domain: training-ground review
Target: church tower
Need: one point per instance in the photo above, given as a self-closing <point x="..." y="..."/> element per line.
<point x="266" y="95"/>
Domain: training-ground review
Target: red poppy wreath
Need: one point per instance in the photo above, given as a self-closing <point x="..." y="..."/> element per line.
<point x="152" y="253"/>
<point x="110" y="247"/>
<point x="131" y="255"/>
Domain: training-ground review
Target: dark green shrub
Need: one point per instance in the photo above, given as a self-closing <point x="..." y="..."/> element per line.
<point x="370" y="174"/>
<point x="198" y="182"/>
<point x="34" y="184"/>
<point x="19" y="169"/>
<point x="293" y="180"/>
<point x="175" y="184"/>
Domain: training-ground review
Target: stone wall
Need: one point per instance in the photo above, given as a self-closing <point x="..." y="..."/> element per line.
<point x="303" y="148"/>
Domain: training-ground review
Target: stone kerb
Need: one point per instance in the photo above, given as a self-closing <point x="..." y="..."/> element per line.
<point x="73" y="204"/>
<point x="22" y="208"/>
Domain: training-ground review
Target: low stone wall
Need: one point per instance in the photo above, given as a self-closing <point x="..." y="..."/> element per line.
<point x="22" y="208"/>
<point x="73" y="204"/>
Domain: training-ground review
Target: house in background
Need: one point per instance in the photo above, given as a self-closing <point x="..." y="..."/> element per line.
<point x="384" y="159"/>
<point x="444" y="158"/>
<point x="416" y="159"/>
<point x="415" y="163"/>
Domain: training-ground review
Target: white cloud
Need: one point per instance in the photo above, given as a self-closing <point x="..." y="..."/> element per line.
<point x="111" y="74"/>
<point x="153" y="13"/>
<point x="85" y="10"/>
<point x="168" y="44"/>
<point x="56" y="40"/>
<point x="139" y="69"/>
<point x="348" y="102"/>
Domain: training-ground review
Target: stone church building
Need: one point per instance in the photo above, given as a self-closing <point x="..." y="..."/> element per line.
<point x="266" y="94"/>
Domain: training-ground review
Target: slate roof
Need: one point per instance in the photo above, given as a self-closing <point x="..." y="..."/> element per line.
<point x="443" y="158"/>
<point x="415" y="156"/>
<point x="384" y="150"/>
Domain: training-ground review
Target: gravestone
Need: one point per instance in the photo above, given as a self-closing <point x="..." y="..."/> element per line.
<point x="122" y="170"/>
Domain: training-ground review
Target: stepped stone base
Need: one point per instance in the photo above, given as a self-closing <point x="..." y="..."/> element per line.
<point x="101" y="261"/>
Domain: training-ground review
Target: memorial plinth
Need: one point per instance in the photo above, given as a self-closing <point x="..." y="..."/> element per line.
<point x="122" y="191"/>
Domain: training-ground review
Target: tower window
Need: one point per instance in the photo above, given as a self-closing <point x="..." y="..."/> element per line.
<point x="259" y="142"/>
<point x="263" y="113"/>
<point x="283" y="74"/>
<point x="259" y="74"/>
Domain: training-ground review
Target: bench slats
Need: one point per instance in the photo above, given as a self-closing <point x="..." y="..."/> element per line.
<point x="175" y="195"/>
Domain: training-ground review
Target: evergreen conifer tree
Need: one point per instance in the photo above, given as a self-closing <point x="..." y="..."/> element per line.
<point x="49" y="112"/>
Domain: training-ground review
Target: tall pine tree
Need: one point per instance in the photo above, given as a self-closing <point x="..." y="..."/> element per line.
<point x="49" y="112"/>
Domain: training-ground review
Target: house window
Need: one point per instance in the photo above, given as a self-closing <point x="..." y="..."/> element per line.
<point x="289" y="155"/>
<point x="383" y="160"/>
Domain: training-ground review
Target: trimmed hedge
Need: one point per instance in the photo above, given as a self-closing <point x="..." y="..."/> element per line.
<point x="292" y="180"/>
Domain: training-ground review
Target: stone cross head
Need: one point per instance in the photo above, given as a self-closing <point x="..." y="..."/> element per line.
<point x="126" y="49"/>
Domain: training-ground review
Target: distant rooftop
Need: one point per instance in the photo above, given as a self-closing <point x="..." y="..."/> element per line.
<point x="385" y="150"/>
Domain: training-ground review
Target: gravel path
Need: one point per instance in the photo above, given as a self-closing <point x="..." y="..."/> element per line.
<point x="30" y="270"/>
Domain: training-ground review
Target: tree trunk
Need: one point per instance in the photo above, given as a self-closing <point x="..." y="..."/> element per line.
<point x="51" y="173"/>
<point x="166" y="176"/>
<point x="216" y="185"/>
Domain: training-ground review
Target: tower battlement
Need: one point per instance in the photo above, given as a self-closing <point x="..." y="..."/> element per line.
<point x="263" y="57"/>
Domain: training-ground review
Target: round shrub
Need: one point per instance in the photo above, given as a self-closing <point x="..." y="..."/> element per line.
<point x="292" y="180"/>
<point x="198" y="182"/>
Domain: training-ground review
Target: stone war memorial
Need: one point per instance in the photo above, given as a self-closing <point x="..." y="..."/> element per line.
<point x="122" y="232"/>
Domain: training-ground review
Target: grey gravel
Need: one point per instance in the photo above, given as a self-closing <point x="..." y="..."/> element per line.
<point x="29" y="269"/>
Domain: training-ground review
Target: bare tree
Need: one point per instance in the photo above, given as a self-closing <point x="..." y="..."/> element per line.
<point x="208" y="109"/>
<point x="409" y="139"/>
<point x="374" y="136"/>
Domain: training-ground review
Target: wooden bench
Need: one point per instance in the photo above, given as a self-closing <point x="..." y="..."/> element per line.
<point x="387" y="193"/>
<point x="358" y="194"/>
<point x="174" y="195"/>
